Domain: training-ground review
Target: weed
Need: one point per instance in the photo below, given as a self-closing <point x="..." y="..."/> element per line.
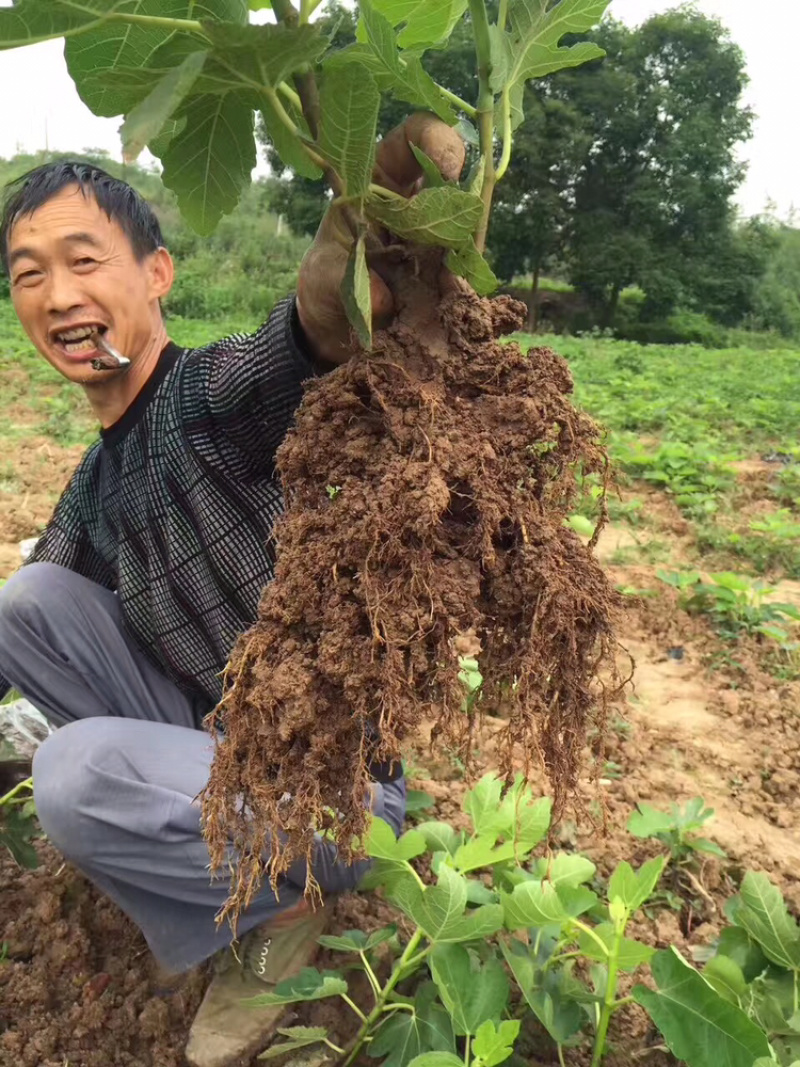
<point x="677" y="829"/>
<point x="735" y="603"/>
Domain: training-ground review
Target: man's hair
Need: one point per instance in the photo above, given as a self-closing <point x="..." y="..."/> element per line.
<point x="120" y="202"/>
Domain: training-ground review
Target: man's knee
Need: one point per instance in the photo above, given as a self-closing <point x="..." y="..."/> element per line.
<point x="67" y="787"/>
<point x="24" y="595"/>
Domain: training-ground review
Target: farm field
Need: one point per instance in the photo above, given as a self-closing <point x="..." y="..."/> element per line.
<point x="703" y="539"/>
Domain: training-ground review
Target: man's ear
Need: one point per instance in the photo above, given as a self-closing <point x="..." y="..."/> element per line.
<point x="161" y="273"/>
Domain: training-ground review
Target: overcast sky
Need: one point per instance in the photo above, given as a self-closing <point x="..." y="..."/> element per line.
<point x="40" y="106"/>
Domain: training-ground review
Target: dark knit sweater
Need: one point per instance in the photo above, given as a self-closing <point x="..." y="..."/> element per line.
<point x="174" y="506"/>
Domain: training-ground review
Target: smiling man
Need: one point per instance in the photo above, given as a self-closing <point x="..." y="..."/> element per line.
<point x="120" y="624"/>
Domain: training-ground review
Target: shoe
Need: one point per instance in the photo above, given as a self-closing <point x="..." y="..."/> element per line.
<point x="226" y="1030"/>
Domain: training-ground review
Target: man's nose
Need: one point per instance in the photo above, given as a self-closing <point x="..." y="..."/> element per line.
<point x="64" y="291"/>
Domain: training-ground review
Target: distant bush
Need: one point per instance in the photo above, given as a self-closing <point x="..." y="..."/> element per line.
<point x="680" y="328"/>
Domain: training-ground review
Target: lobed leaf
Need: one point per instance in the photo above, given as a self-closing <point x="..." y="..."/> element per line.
<point x="349" y="101"/>
<point x="545" y="992"/>
<point x="542" y="904"/>
<point x="446" y="216"/>
<point x="494" y="1044"/>
<point x="357" y="297"/>
<point x="631" y="954"/>
<point x="425" y="22"/>
<point x="308" y="984"/>
<point x="299" y="1037"/>
<point x="406" y="1035"/>
<point x="472" y="992"/>
<point x="698" y="1025"/>
<point x="761" y="911"/>
<point x="633" y="888"/>
<point x="381" y="842"/>
<point x="263" y="55"/>
<point x="209" y="162"/>
<point x="147" y="119"/>
<point x="468" y="263"/>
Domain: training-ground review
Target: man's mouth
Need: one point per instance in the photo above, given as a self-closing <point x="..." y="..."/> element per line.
<point x="80" y="340"/>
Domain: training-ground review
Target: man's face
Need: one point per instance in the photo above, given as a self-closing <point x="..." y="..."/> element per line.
<point x="73" y="268"/>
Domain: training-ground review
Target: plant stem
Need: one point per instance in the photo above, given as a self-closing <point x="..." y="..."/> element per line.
<point x="505" y="156"/>
<point x="467" y="1041"/>
<point x="159" y="22"/>
<point x="304" y="81"/>
<point x="485" y="113"/>
<point x="462" y="105"/>
<point x="286" y="120"/>
<point x="590" y="933"/>
<point x="290" y="95"/>
<point x="502" y="14"/>
<point x="608" y="1000"/>
<point x="354" y="1006"/>
<point x="373" y="981"/>
<point x="380" y="1002"/>
<point x="561" y="1056"/>
<point x="27" y="784"/>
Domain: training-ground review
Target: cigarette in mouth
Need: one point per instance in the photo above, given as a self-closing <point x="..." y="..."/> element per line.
<point x="111" y="359"/>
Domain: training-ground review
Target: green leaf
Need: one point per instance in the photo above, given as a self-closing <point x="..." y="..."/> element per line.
<point x="378" y="937"/>
<point x="433" y="176"/>
<point x="580" y="524"/>
<point x="761" y="911"/>
<point x="633" y="888"/>
<point x="285" y="143"/>
<point x="405" y="1035"/>
<point x="522" y="817"/>
<point x="264" y="55"/>
<point x="417" y="800"/>
<point x="467" y="262"/>
<point x="542" y="904"/>
<point x="545" y="992"/>
<point x="381" y="842"/>
<point x="426" y="22"/>
<point x="440" y="910"/>
<point x="352" y="941"/>
<point x="357" y="296"/>
<point x="482" y="852"/>
<point x="698" y="1025"/>
<point x="309" y="984"/>
<point x="208" y="164"/>
<point x="113" y="45"/>
<point x="648" y="821"/>
<point x="401" y="75"/>
<point x="565" y="868"/>
<point x="493" y="1045"/>
<point x="702" y="844"/>
<point x="471" y="992"/>
<point x="349" y="101"/>
<point x="737" y="945"/>
<point x="437" y="1059"/>
<point x="445" y="216"/>
<point x="299" y="1037"/>
<point x="726" y="977"/>
<point x="29" y="21"/>
<point x="148" y="118"/>
<point x="482" y="804"/>
<point x="441" y="837"/>
<point x="632" y="954"/>
<point x="537" y="29"/>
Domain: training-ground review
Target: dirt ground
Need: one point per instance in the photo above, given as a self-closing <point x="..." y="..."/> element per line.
<point x="701" y="719"/>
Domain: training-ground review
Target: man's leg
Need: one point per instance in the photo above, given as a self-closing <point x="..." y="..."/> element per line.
<point x="63" y="646"/>
<point x="117" y="797"/>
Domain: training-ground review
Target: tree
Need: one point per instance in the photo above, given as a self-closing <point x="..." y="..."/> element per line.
<point x="652" y="202"/>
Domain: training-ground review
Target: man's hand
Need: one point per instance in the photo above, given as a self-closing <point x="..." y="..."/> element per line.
<point x="319" y="301"/>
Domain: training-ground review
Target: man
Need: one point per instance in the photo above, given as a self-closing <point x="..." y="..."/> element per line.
<point x="120" y="624"/>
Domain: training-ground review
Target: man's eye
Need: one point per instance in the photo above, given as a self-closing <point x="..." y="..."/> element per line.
<point x="85" y="261"/>
<point x="26" y="277"/>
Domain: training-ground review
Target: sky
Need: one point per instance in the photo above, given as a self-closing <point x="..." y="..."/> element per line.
<point x="40" y="107"/>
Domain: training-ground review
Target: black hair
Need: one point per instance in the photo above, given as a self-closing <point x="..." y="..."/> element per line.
<point x="119" y="201"/>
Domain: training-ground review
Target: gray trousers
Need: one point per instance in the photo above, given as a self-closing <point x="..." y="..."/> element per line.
<point x="115" y="786"/>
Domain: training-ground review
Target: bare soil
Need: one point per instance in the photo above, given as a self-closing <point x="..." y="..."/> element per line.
<point x="703" y="718"/>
